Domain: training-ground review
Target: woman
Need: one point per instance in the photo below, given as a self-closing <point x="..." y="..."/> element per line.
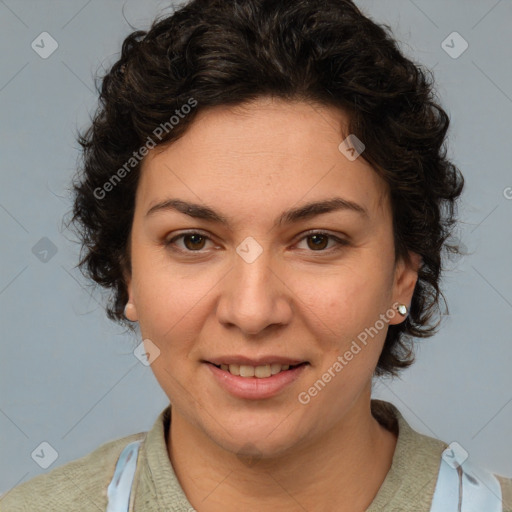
<point x="266" y="193"/>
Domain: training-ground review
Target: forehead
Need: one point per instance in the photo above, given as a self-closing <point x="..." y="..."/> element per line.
<point x="262" y="153"/>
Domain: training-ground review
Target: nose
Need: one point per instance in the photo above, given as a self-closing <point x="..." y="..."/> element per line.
<point x="255" y="296"/>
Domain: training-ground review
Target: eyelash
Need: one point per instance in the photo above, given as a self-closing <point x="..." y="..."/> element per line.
<point x="339" y="241"/>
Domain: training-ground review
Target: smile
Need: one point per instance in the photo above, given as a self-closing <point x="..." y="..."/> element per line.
<point x="260" y="372"/>
<point x="255" y="382"/>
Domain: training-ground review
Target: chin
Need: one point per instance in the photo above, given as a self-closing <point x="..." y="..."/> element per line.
<point x="249" y="451"/>
<point x="260" y="440"/>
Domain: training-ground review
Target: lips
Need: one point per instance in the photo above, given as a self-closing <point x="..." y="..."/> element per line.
<point x="262" y="367"/>
<point x="255" y="387"/>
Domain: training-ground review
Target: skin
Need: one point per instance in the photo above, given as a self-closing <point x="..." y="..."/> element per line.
<point x="250" y="163"/>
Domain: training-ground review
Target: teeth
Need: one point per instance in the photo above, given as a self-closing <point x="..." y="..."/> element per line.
<point x="261" y="372"/>
<point x="275" y="368"/>
<point x="234" y="369"/>
<point x="246" y="371"/>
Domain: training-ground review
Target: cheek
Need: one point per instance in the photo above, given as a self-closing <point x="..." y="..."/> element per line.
<point x="348" y="300"/>
<point x="168" y="312"/>
<point x="166" y="297"/>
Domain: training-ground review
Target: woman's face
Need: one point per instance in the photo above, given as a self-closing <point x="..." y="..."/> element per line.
<point x="259" y="288"/>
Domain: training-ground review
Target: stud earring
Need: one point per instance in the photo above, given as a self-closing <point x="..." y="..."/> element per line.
<point x="402" y="309"/>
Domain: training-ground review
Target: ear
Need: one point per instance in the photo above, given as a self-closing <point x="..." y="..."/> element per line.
<point x="130" y="310"/>
<point x="406" y="277"/>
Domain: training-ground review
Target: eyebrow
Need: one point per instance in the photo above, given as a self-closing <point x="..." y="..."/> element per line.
<point x="290" y="216"/>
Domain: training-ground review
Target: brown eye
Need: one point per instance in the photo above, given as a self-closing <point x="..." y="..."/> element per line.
<point x="196" y="241"/>
<point x="192" y="242"/>
<point x="320" y="241"/>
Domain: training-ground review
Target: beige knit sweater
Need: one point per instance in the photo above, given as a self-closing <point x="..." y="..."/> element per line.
<point x="81" y="485"/>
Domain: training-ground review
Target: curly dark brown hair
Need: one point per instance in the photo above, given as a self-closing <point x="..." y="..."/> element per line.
<point x="217" y="52"/>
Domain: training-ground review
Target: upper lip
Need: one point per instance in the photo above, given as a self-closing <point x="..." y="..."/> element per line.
<point x="254" y="361"/>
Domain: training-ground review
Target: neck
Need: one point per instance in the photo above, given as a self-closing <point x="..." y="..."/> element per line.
<point x="346" y="466"/>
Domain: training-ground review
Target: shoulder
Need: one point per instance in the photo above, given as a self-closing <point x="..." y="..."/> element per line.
<point x="415" y="477"/>
<point x="506" y="492"/>
<point x="78" y="485"/>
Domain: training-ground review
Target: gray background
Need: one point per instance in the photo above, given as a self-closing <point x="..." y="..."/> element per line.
<point x="68" y="375"/>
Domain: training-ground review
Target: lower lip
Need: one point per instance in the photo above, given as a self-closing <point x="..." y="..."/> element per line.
<point x="254" y="388"/>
